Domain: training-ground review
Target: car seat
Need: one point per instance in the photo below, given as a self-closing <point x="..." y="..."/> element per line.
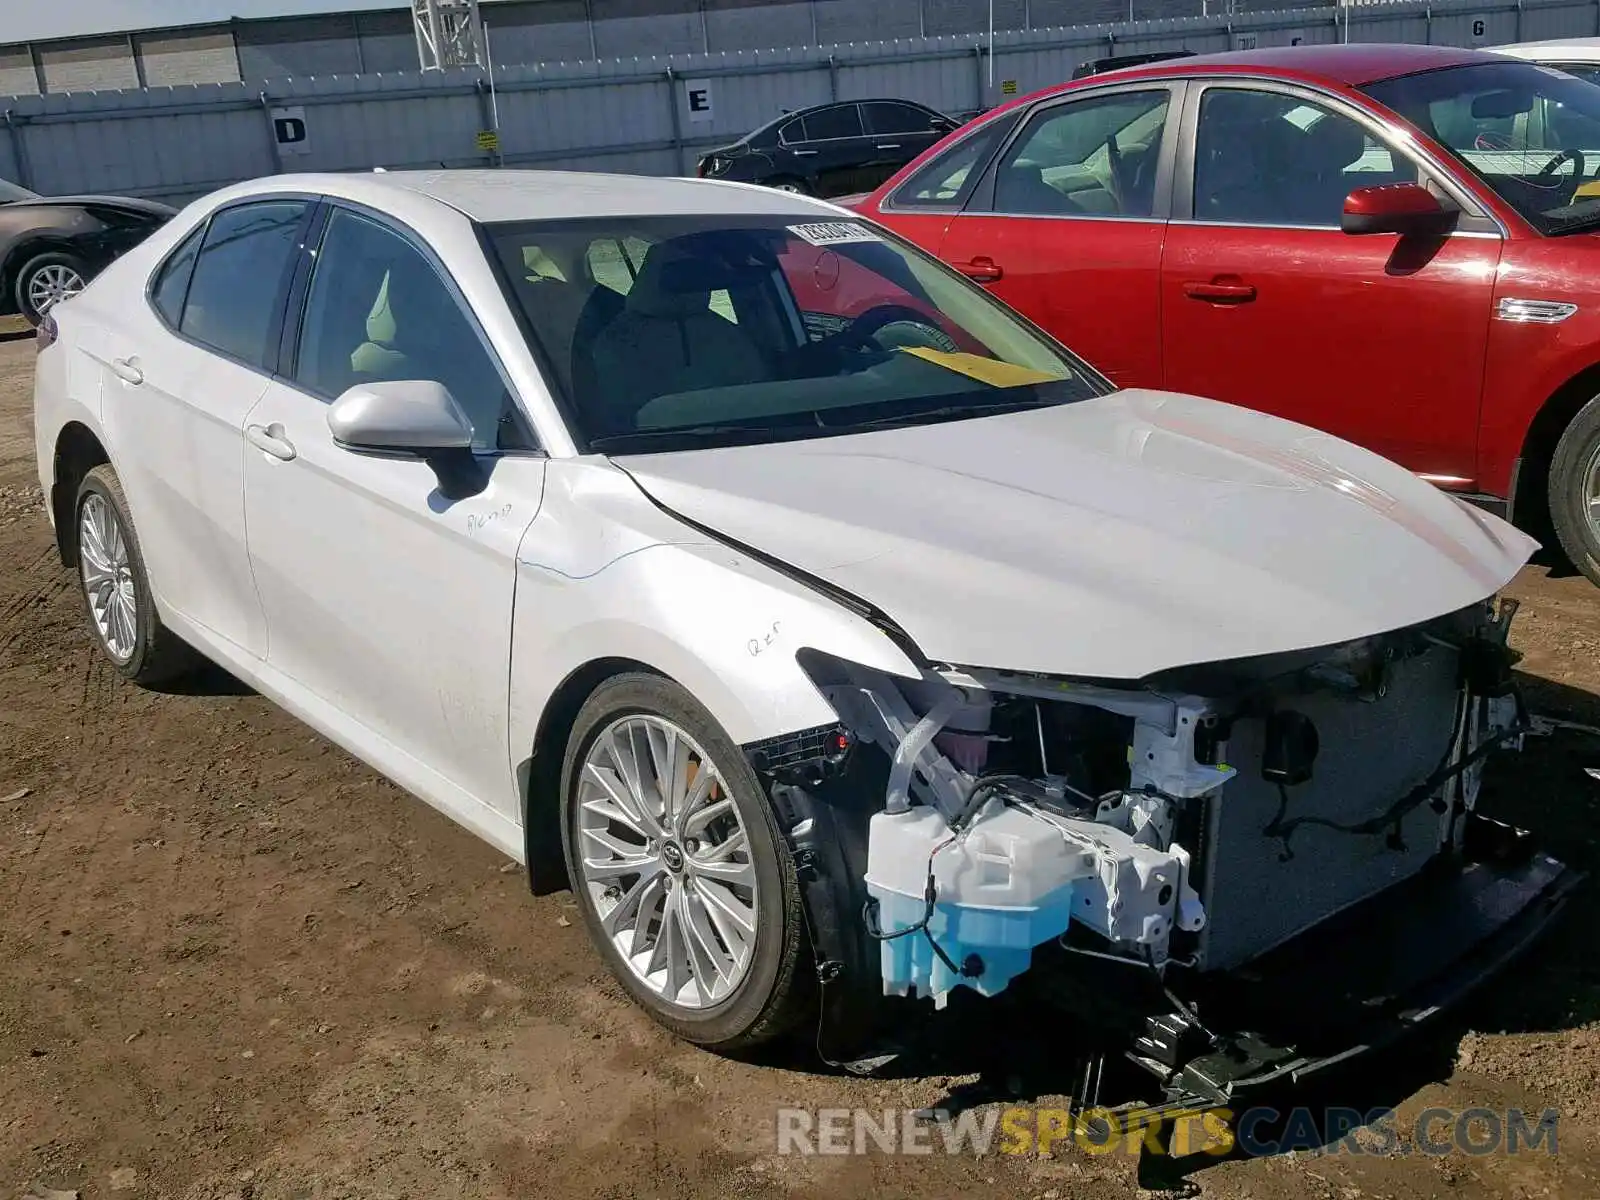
<point x="667" y="340"/>
<point x="1317" y="161"/>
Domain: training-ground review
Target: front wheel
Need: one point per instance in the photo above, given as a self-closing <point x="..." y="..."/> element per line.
<point x="679" y="868"/>
<point x="1575" y="490"/>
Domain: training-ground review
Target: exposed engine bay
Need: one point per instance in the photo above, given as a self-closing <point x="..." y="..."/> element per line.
<point x="1184" y="827"/>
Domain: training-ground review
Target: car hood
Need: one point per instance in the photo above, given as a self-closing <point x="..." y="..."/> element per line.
<point x="129" y="204"/>
<point x="1112" y="538"/>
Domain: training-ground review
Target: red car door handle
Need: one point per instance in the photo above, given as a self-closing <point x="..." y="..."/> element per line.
<point x="1219" y="293"/>
<point x="984" y="270"/>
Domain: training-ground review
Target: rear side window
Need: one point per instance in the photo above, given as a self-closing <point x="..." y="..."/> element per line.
<point x="172" y="283"/>
<point x="896" y="118"/>
<point x="840" y="121"/>
<point x="238" y="278"/>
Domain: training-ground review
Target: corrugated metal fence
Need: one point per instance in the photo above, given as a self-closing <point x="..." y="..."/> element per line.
<point x="634" y="115"/>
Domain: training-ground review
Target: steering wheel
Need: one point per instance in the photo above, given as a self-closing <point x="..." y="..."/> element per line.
<point x="907" y="327"/>
<point x="1548" y="171"/>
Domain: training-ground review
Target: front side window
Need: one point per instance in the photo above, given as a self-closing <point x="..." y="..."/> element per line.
<point x="1531" y="133"/>
<point x="233" y="297"/>
<point x="1270" y="158"/>
<point x="731" y="329"/>
<point x="377" y="311"/>
<point x="896" y="118"/>
<point x="837" y="121"/>
<point x="10" y="192"/>
<point x="1092" y="157"/>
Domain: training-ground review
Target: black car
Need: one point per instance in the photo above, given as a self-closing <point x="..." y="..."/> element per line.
<point x="1101" y="65"/>
<point x="51" y="246"/>
<point x="832" y="149"/>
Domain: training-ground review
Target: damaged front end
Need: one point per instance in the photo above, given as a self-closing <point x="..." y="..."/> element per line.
<point x="1247" y="869"/>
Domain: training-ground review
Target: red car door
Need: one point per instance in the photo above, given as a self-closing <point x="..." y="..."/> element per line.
<point x="1267" y="304"/>
<point x="1067" y="226"/>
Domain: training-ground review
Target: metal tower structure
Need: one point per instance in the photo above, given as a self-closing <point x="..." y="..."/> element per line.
<point x="449" y="33"/>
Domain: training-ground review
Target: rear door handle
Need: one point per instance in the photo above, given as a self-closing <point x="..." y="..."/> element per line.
<point x="802" y="153"/>
<point x="1219" y="293"/>
<point x="127" y="370"/>
<point x="981" y="269"/>
<point x="269" y="439"/>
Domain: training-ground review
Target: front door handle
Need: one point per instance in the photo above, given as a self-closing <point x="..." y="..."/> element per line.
<point x="982" y="269"/>
<point x="802" y="153"/>
<point x="1219" y="292"/>
<point x="127" y="370"/>
<point x="889" y="146"/>
<point x="269" y="439"/>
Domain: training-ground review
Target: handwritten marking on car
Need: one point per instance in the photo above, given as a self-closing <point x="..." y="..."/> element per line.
<point x="477" y="522"/>
<point x="757" y="644"/>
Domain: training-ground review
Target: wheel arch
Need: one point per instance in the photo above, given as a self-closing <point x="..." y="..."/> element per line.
<point x="541" y="772"/>
<point x="1530" y="507"/>
<point x="78" y="450"/>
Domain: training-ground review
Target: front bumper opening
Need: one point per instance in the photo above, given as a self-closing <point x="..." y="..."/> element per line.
<point x="1363" y="979"/>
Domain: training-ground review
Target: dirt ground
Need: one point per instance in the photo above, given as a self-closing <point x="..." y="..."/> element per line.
<point x="234" y="963"/>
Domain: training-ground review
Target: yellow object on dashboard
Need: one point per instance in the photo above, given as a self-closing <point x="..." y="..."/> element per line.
<point x="984" y="370"/>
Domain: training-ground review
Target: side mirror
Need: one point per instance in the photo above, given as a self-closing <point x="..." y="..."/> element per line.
<point x="410" y="418"/>
<point x="1404" y="208"/>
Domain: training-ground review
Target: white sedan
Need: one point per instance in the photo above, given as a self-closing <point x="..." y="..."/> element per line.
<point x="816" y="617"/>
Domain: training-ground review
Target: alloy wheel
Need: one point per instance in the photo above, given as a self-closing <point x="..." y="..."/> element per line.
<point x="51" y="284"/>
<point x="107" y="570"/>
<point x="666" y="861"/>
<point x="1591" y="493"/>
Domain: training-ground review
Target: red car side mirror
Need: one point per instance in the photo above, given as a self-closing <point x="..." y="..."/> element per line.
<point x="1404" y="208"/>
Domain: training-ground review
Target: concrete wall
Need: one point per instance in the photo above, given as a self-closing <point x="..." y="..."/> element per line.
<point x="529" y="31"/>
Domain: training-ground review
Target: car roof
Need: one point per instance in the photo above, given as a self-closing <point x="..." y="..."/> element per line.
<point x="490" y="196"/>
<point x="1570" y="49"/>
<point x="1352" y="64"/>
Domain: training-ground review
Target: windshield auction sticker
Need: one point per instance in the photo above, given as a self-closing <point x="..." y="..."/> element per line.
<point x="833" y="233"/>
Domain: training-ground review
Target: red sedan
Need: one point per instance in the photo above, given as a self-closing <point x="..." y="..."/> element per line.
<point x="1396" y="244"/>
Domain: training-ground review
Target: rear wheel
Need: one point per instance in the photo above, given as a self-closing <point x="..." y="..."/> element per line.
<point x="116" y="590"/>
<point x="678" y="866"/>
<point x="1575" y="490"/>
<point x="48" y="279"/>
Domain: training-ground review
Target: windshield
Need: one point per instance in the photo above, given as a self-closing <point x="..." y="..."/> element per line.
<point x="11" y="191"/>
<point x="685" y="332"/>
<point x="1531" y="133"/>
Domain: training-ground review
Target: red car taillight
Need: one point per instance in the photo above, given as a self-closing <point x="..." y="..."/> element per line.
<point x="46" y="333"/>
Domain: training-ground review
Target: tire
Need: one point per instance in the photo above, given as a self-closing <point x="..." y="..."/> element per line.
<point x="137" y="644"/>
<point x="1574" y="483"/>
<point x="788" y="183"/>
<point x="770" y="994"/>
<point x="47" y="279"/>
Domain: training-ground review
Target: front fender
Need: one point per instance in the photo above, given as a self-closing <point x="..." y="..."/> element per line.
<point x="723" y="626"/>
